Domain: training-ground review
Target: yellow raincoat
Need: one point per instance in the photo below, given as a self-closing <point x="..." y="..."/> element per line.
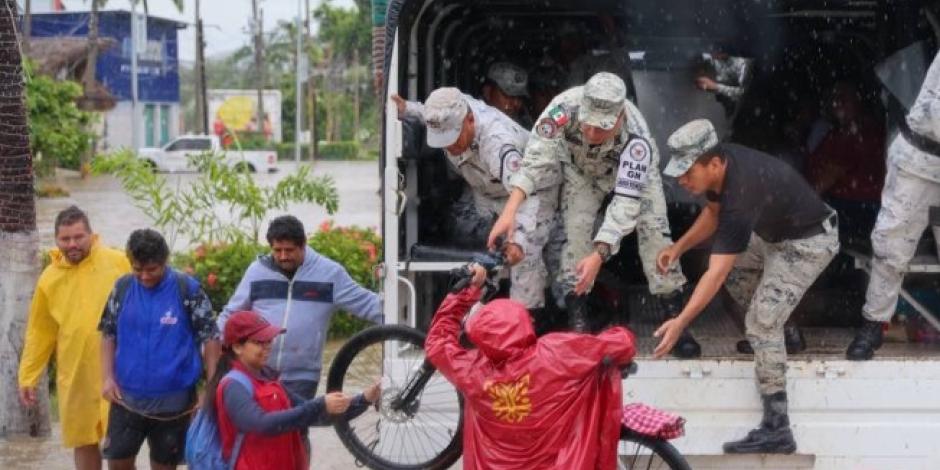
<point x="64" y="317"/>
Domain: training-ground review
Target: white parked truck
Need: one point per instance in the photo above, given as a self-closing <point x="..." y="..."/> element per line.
<point x="176" y="156"/>
<point x="880" y="414"/>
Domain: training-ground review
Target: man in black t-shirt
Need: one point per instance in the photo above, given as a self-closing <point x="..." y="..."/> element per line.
<point x="771" y="237"/>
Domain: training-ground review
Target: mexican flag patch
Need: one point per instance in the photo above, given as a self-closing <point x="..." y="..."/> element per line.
<point x="559" y="114"/>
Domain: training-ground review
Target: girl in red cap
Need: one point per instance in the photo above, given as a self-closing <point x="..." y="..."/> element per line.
<point x="267" y="418"/>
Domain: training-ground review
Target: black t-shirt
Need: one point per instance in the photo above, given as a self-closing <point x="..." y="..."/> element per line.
<point x="764" y="195"/>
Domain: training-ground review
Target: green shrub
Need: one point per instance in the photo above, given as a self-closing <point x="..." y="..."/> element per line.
<point x="248" y="140"/>
<point x="220" y="267"/>
<point x="58" y="130"/>
<point x="344" y="150"/>
<point x="358" y="250"/>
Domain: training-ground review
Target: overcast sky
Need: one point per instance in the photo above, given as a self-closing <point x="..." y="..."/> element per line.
<point x="226" y="21"/>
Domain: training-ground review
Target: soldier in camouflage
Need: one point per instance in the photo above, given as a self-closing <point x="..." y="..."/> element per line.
<point x="598" y="143"/>
<point x="485" y="147"/>
<point x="912" y="188"/>
<point x="771" y="237"/>
<point x="506" y="88"/>
<point x="730" y="78"/>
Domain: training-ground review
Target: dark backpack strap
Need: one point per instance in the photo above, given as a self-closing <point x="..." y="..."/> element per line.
<point x="182" y="283"/>
<point x="121" y="286"/>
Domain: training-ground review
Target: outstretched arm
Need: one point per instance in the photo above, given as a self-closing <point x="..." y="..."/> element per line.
<point x="443" y="344"/>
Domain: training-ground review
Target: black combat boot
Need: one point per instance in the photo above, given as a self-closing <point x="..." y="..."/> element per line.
<point x="868" y="338"/>
<point x="686" y="347"/>
<point x="576" y="307"/>
<point x="773" y="436"/>
<point x="792" y="337"/>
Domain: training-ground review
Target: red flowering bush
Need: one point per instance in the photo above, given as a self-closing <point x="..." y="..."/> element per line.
<point x="220" y="267"/>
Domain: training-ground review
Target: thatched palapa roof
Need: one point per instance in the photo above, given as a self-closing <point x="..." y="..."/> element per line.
<point x="64" y="57"/>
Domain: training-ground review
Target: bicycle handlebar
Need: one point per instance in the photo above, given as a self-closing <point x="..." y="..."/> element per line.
<point x="492" y="262"/>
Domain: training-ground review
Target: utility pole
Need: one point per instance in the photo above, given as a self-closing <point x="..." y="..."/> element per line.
<point x="135" y="131"/>
<point x="27" y="25"/>
<point x="202" y="109"/>
<point x="355" y="69"/>
<point x="311" y="91"/>
<point x="258" y="17"/>
<point x="298" y="86"/>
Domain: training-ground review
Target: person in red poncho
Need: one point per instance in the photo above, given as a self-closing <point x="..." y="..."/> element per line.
<point x="546" y="403"/>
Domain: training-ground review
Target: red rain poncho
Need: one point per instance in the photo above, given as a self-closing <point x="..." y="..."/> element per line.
<point x="545" y="403"/>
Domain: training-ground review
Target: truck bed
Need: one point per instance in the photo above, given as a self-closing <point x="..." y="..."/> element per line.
<point x="717" y="331"/>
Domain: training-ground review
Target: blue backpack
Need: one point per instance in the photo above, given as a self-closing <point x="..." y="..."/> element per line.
<point x="203" y="441"/>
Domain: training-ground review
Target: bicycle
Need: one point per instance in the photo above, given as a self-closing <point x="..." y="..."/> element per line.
<point x="418" y="422"/>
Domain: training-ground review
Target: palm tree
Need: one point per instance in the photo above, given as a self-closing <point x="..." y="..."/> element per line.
<point x="94" y="102"/>
<point x="19" y="241"/>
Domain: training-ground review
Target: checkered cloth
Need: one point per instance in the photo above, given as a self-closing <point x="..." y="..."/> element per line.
<point x="651" y="422"/>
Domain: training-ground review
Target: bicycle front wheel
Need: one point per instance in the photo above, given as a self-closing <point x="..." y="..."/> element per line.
<point x="642" y="452"/>
<point x="417" y="430"/>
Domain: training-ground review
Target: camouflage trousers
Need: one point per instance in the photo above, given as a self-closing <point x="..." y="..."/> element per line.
<point x="905" y="203"/>
<point x="540" y="240"/>
<point x="769" y="279"/>
<point x="580" y="206"/>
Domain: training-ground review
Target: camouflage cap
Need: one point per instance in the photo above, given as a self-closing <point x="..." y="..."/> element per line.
<point x="604" y="96"/>
<point x="688" y="143"/>
<point x="509" y="77"/>
<point x="444" y="112"/>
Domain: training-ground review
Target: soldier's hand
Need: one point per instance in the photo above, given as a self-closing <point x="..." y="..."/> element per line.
<point x="503" y="227"/>
<point x="513" y="253"/>
<point x="669" y="331"/>
<point x="336" y="403"/>
<point x="706" y="84"/>
<point x="28" y="396"/>
<point x="587" y="270"/>
<point x="400" y="104"/>
<point x="666" y="258"/>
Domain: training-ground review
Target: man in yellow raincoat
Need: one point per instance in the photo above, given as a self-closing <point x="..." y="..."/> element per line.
<point x="63" y="318"/>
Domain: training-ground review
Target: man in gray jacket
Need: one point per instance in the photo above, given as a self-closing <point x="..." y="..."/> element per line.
<point x="299" y="289"/>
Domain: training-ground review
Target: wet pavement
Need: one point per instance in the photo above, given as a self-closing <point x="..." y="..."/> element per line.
<point x="46" y="453"/>
<point x="113" y="215"/>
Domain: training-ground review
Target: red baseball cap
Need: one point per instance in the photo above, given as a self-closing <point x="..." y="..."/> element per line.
<point x="245" y="325"/>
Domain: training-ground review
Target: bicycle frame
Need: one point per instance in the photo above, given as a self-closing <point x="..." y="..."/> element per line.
<point x="409" y="393"/>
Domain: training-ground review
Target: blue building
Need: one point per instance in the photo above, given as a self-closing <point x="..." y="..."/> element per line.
<point x="158" y="109"/>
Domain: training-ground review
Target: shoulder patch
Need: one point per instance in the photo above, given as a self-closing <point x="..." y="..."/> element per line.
<point x="559" y="115"/>
<point x="512" y="163"/>
<point x="546" y="128"/>
<point x="632" y="173"/>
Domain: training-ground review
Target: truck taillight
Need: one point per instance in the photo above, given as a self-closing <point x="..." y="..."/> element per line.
<point x="272" y="158"/>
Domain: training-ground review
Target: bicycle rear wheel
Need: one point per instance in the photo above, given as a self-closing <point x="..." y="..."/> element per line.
<point x="643" y="452"/>
<point x="423" y="433"/>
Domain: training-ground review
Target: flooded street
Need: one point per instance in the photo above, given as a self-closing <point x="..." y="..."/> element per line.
<point x="25" y="453"/>
<point x="113" y="214"/>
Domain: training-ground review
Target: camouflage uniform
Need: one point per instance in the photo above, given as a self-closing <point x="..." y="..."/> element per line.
<point x="627" y="165"/>
<point x="912" y="186"/>
<point x="487" y="166"/>
<point x="770" y="279"/>
<point x="730" y="74"/>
